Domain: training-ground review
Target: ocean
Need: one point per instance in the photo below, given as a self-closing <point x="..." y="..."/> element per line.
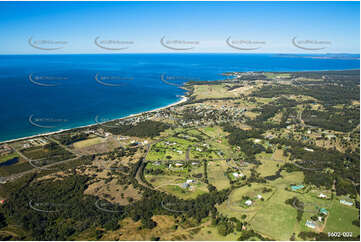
<point x="46" y="93"/>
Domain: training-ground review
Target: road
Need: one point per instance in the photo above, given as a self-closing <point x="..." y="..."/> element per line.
<point x="35" y="169"/>
<point x="45" y="167"/>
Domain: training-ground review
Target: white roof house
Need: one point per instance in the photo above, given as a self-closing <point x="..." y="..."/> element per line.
<point x="259" y="196"/>
<point x="307" y="149"/>
<point x="178" y="164"/>
<point x="248" y="202"/>
<point x="310" y="224"/>
<point x="189" y="181"/>
<point x="322" y="195"/>
<point x="237" y="175"/>
<point x="344" y="202"/>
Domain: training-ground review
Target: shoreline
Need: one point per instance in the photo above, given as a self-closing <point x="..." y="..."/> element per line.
<point x="183" y="99"/>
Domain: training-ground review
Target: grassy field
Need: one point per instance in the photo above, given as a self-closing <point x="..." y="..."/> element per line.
<point x="174" y="150"/>
<point x="197" y="189"/>
<point x="88" y="142"/>
<point x="233" y="207"/>
<point x="19" y="166"/>
<point x="280" y="216"/>
<point x="216" y="174"/>
<point x="214" y="91"/>
<point x="210" y="233"/>
<point x="56" y="153"/>
<point x="268" y="167"/>
<point x="5" y="158"/>
<point x="170" y="181"/>
<point x="201" y="152"/>
<point x="341" y="217"/>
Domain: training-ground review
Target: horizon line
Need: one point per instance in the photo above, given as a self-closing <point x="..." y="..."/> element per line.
<point x="130" y="53"/>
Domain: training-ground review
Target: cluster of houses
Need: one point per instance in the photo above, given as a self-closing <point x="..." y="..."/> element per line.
<point x="5" y="150"/>
<point x="35" y="142"/>
<point x="98" y="132"/>
<point x="167" y="143"/>
<point x="207" y="114"/>
<point x="319" y="219"/>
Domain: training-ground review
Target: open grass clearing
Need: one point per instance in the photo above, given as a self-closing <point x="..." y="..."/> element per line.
<point x="217" y="174"/>
<point x="88" y="142"/>
<point x="213" y="91"/>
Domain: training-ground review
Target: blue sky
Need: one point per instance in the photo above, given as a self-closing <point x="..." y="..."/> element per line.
<point x="260" y="27"/>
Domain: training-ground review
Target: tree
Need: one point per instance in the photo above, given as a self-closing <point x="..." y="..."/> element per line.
<point x="3" y="222"/>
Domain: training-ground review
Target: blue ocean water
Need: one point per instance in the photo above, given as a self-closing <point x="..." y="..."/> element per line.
<point x="44" y="93"/>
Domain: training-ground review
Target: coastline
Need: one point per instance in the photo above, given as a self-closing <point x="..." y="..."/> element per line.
<point x="183" y="99"/>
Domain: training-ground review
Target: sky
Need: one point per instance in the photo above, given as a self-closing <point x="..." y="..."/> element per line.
<point x="173" y="27"/>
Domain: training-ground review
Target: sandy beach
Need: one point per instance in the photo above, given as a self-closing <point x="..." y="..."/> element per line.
<point x="184" y="99"/>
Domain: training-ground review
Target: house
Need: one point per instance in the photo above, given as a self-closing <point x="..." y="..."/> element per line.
<point x="178" y="164"/>
<point x="323" y="211"/>
<point x="322" y="195"/>
<point x="259" y="196"/>
<point x="248" y="202"/>
<point x="344" y="202"/>
<point x="237" y="175"/>
<point x="195" y="163"/>
<point x="2" y="202"/>
<point x="307" y="149"/>
<point x="189" y="181"/>
<point x="185" y="185"/>
<point x="310" y="224"/>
